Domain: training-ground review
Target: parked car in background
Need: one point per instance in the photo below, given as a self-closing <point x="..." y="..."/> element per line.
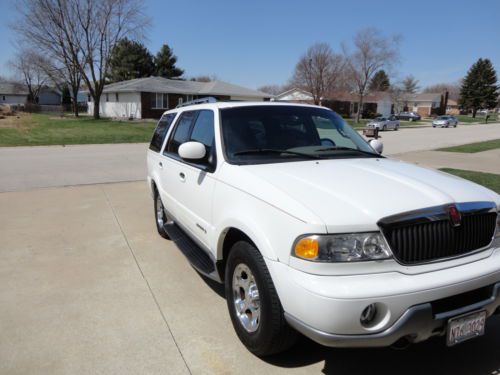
<point x="409" y="116"/>
<point x="384" y="123"/>
<point x="445" y="121"/>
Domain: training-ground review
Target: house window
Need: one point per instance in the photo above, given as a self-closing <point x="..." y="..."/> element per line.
<point x="3" y="97"/>
<point x="159" y="101"/>
<point x="117" y="97"/>
<point x="89" y="99"/>
<point x="107" y="97"/>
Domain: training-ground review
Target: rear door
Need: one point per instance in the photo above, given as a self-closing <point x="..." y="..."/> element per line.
<point x="154" y="159"/>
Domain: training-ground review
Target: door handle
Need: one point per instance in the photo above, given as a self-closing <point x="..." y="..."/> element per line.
<point x="161" y="165"/>
<point x="182" y="176"/>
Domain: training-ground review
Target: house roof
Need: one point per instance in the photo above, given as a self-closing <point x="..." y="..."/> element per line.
<point x="9" y="88"/>
<point x="164" y="85"/>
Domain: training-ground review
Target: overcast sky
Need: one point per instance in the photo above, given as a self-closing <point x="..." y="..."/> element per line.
<point x="258" y="42"/>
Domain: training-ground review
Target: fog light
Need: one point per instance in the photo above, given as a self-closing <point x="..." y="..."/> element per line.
<point x="368" y="314"/>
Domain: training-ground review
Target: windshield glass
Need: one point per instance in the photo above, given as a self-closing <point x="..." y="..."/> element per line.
<point x="443" y="118"/>
<point x="267" y="134"/>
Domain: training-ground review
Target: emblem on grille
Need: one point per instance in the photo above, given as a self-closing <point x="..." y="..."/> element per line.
<point x="454" y="215"/>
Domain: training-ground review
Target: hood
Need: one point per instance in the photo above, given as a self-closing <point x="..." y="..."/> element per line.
<point x="353" y="194"/>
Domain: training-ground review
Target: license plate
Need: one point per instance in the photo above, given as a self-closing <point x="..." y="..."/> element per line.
<point x="465" y="327"/>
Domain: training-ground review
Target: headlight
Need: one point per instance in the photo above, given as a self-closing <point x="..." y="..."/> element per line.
<point x="350" y="247"/>
<point x="496" y="237"/>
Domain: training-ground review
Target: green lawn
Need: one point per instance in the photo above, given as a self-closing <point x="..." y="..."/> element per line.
<point x="474" y="147"/>
<point x="467" y="119"/>
<point x="52" y="129"/>
<point x="489" y="180"/>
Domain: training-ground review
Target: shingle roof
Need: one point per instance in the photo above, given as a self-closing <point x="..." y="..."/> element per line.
<point x="9" y="88"/>
<point x="164" y="85"/>
<point x="427" y="97"/>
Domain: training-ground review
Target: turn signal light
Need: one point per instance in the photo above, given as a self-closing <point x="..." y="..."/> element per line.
<point x="307" y="248"/>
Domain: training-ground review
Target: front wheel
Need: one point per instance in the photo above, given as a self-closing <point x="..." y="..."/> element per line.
<point x="160" y="216"/>
<point x="253" y="303"/>
<point x="396" y="128"/>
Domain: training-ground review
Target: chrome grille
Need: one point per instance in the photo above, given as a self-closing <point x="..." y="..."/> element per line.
<point x="428" y="237"/>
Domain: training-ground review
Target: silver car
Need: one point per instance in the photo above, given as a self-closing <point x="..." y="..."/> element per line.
<point x="384" y="123"/>
<point x="445" y="121"/>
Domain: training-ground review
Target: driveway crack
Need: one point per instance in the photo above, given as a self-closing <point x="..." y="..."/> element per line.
<point x="145" y="279"/>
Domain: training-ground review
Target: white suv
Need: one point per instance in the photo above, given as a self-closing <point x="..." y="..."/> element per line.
<point x="313" y="231"/>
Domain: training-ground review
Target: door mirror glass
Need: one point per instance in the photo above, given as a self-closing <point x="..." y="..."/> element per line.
<point x="192" y="151"/>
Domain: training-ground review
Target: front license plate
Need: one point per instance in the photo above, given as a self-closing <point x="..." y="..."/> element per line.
<point x="465" y="327"/>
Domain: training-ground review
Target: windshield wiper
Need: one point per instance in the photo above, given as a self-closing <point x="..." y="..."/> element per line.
<point x="348" y="149"/>
<point x="275" y="151"/>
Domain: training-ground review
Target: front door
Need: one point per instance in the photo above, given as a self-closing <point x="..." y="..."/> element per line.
<point x="192" y="183"/>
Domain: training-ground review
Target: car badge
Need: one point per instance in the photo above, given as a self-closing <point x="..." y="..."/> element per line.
<point x="454" y="215"/>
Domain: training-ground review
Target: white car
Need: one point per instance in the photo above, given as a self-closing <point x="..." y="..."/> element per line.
<point x="313" y="231"/>
<point x="384" y="123"/>
<point x="445" y="121"/>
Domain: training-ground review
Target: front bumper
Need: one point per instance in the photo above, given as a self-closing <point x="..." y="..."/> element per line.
<point x="418" y="323"/>
<point x="328" y="308"/>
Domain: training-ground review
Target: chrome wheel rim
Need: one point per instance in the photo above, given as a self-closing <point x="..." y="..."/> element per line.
<point x="246" y="298"/>
<point x="160" y="213"/>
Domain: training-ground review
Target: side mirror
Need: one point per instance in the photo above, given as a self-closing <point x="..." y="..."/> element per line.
<point x="377" y="145"/>
<point x="192" y="151"/>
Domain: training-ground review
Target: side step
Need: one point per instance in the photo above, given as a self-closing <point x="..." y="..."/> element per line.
<point x="198" y="257"/>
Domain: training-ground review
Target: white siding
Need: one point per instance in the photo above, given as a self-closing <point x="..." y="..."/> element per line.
<point x="384" y="108"/>
<point x="13" y="99"/>
<point x="128" y="105"/>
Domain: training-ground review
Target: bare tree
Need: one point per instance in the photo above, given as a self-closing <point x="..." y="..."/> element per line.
<point x="271" y="89"/>
<point x="26" y="65"/>
<point x="452" y="88"/>
<point x="371" y="52"/>
<point x="81" y="35"/>
<point x="318" y="70"/>
<point x="410" y="84"/>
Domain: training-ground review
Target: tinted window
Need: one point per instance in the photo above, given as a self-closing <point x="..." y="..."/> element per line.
<point x="181" y="131"/>
<point x="203" y="129"/>
<point x="161" y="131"/>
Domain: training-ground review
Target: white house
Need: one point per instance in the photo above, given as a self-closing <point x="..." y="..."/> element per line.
<point x="150" y="97"/>
<point x="425" y="104"/>
<point x="295" y="95"/>
<point x="13" y="93"/>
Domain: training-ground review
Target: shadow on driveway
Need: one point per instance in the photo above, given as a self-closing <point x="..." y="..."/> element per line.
<point x="479" y="356"/>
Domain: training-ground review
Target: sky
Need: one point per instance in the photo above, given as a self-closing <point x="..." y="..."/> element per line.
<point x="258" y="42"/>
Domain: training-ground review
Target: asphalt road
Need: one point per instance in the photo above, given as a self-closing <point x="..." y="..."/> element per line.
<point x="87" y="286"/>
<point x="25" y="168"/>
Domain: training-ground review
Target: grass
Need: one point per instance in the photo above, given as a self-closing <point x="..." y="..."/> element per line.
<point x="480" y="118"/>
<point x="474" y="147"/>
<point x="52" y="129"/>
<point x="489" y="180"/>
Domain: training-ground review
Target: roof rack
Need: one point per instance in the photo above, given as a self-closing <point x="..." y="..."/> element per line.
<point x="208" y="99"/>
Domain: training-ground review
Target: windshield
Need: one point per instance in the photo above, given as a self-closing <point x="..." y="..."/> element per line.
<point x="267" y="134"/>
<point x="443" y="118"/>
<point x="380" y="119"/>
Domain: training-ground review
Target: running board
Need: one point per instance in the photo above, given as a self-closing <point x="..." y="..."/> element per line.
<point x="199" y="258"/>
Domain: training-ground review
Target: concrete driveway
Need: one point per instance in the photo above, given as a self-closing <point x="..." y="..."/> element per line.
<point x="87" y="286"/>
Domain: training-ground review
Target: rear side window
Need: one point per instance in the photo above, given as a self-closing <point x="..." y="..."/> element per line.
<point x="181" y="132"/>
<point x="161" y="131"/>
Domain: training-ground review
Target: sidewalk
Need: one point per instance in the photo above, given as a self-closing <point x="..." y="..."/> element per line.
<point x="487" y="161"/>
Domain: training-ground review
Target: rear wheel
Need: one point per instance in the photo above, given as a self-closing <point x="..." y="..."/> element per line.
<point x="254" y="306"/>
<point x="160" y="216"/>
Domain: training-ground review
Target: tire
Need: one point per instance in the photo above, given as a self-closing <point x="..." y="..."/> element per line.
<point x="160" y="222"/>
<point x="263" y="330"/>
<point x="384" y="128"/>
<point x="396" y="128"/>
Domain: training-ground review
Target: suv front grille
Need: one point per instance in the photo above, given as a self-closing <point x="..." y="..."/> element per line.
<point x="434" y="237"/>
